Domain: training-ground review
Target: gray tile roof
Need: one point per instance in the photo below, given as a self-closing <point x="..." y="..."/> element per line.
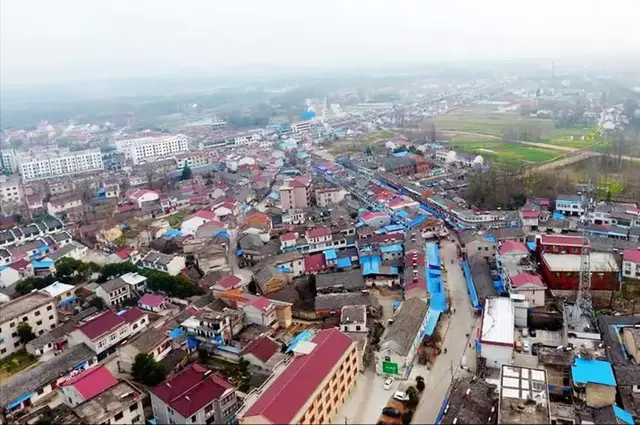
<point x="113" y="284"/>
<point x="405" y="327"/>
<point x="148" y="339"/>
<point x="350" y="281"/>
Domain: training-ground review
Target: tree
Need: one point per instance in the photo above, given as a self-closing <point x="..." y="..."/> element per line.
<point x="186" y="173"/>
<point x="97" y="302"/>
<point x="146" y="370"/>
<point x="420" y="385"/>
<point x="25" y="333"/>
<point x="368" y="150"/>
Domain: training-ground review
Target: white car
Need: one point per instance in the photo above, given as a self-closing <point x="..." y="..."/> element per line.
<point x="526" y="347"/>
<point x="388" y="383"/>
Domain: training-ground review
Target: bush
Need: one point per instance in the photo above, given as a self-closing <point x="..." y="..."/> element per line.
<point x="146" y="370"/>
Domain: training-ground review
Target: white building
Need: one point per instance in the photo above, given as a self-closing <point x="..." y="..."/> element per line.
<point x="36" y="309"/>
<point x="631" y="263"/>
<point x="171" y="264"/>
<point x="7" y="161"/>
<point x="353" y="318"/>
<point x="10" y="190"/>
<point x="113" y="291"/>
<point x="497" y="332"/>
<point x="49" y="164"/>
<point x="108" y="329"/>
<point x="148" y="148"/>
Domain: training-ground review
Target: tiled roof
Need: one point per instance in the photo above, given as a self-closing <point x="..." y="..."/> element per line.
<point x="124" y="253"/>
<point x="512" y="246"/>
<point x="632" y="255"/>
<point x="561" y="240"/>
<point x="288" y="237"/>
<point x="368" y="216"/>
<point x="288" y="392"/>
<point x="191" y="390"/>
<point x="261" y="303"/>
<point x="529" y="214"/>
<point x="152" y="300"/>
<point x="522" y="279"/>
<point x="132" y="314"/>
<point x="101" y="325"/>
<point x="262" y="348"/>
<point x="318" y="232"/>
<point x="92" y="382"/>
<point x="229" y="281"/>
<point x="204" y="214"/>
<point x="315" y="262"/>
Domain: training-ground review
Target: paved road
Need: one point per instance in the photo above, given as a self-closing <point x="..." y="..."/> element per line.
<point x="456" y="326"/>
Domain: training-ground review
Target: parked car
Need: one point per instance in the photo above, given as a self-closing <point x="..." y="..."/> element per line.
<point x="401" y="396"/>
<point x="391" y="412"/>
<point x="526" y="347"/>
<point x="388" y="383"/>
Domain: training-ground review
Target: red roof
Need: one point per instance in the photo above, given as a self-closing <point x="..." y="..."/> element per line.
<point x="368" y="216"/>
<point x="152" y="300"/>
<point x="288" y="392"/>
<point x="263" y="348"/>
<point x="204" y="214"/>
<point x="191" y="390"/>
<point x="229" y="281"/>
<point x="101" y="325"/>
<point x="522" y="279"/>
<point x="318" y="232"/>
<point x="124" y="253"/>
<point x="92" y="382"/>
<point x="529" y="213"/>
<point x="632" y="255"/>
<point x="261" y="303"/>
<point x="414" y="257"/>
<point x="561" y="240"/>
<point x="132" y="314"/>
<point x="512" y="246"/>
<point x="315" y="262"/>
<point x="288" y="237"/>
<point x="21" y="264"/>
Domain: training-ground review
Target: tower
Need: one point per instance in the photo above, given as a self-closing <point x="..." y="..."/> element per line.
<point x="584" y="304"/>
<point x="130" y="119"/>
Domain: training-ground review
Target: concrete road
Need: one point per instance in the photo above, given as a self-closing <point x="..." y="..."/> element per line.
<point x="455" y="327"/>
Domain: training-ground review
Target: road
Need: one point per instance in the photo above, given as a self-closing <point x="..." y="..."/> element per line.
<point x="455" y="327"/>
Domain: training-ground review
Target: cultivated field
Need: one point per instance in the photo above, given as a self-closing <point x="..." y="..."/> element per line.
<point x="508" y="154"/>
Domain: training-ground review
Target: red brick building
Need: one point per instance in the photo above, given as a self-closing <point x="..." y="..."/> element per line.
<point x="560" y="244"/>
<point x="562" y="271"/>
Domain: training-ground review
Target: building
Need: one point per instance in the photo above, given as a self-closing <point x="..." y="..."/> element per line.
<point x="153" y="302"/>
<point x="593" y="382"/>
<point x="631" y="263"/>
<point x="194" y="395"/>
<point x="10" y="190"/>
<point x="562" y="271"/>
<point x="36" y="309"/>
<point x="36" y="385"/>
<point x="497" y="332"/>
<point x="471" y="401"/>
<point x="402" y="339"/>
<point x="141" y="196"/>
<point x="146" y="149"/>
<point x="8" y="161"/>
<point x="113" y="291"/>
<point x="170" y="264"/>
<point x="560" y="244"/>
<point x="353" y="318"/>
<point x="107" y="330"/>
<point x="263" y="352"/>
<point x="46" y="165"/>
<point x="296" y="194"/>
<point x="60" y="292"/>
<point x="569" y="205"/>
<point x="119" y="404"/>
<point x="308" y="388"/>
<point x="154" y="342"/>
<point x="524" y="396"/>
<point x="137" y="283"/>
<point x="87" y="385"/>
<point x="193" y="222"/>
<point x="327" y="196"/>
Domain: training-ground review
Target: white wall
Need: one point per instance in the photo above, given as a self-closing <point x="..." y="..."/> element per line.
<point x="496" y="355"/>
<point x="40" y="319"/>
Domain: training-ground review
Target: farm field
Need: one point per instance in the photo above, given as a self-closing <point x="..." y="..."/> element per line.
<point x="507" y="154"/>
<point x="489" y="123"/>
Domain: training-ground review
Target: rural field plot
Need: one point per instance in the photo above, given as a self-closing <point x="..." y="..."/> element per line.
<point x="508" y="154"/>
<point x="490" y="123"/>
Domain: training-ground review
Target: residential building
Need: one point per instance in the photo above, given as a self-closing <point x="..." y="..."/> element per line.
<point x="153" y="342"/>
<point x="193" y="222"/>
<point x="8" y="161"/>
<point x="119" y="404"/>
<point x="263" y="352"/>
<point x="310" y="387"/>
<point x="146" y="149"/>
<point x="108" y="329"/>
<point x="524" y="396"/>
<point x="562" y="271"/>
<point x="87" y="385"/>
<point x="497" y="332"/>
<point x="153" y="302"/>
<point x="400" y="342"/>
<point x="194" y="395"/>
<point x="137" y="283"/>
<point x="62" y="293"/>
<point x="10" y="190"/>
<point x="141" y="196"/>
<point x="113" y="291"/>
<point x="170" y="264"/>
<point x="376" y="219"/>
<point x="36" y="309"/>
<point x="50" y="164"/>
<point x="631" y="264"/>
<point x="560" y="244"/>
<point x="353" y="318"/>
<point x="593" y="382"/>
<point x="327" y="196"/>
<point x="33" y="388"/>
<point x="569" y="205"/>
<point x="296" y="194"/>
<point x="259" y="311"/>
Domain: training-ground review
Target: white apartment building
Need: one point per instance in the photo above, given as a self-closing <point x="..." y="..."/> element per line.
<point x="10" y="190"/>
<point x="147" y="148"/>
<point x="7" y="161"/>
<point x="37" y="309"/>
<point x="48" y="164"/>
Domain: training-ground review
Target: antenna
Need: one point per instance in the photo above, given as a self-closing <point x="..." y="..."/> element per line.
<point x="584" y="305"/>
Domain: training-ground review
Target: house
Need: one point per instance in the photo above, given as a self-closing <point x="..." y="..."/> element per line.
<point x="141" y="196"/>
<point x="36" y="309"/>
<point x="270" y="280"/>
<point x="328" y="196"/>
<point x="400" y="342"/>
<point x="560" y="244"/>
<point x="570" y="205"/>
<point x="263" y="352"/>
<point x="259" y="311"/>
<point x="631" y="263"/>
<point x="194" y="395"/>
<point x="154" y="342"/>
<point x="170" y="264"/>
<point x="191" y="224"/>
<point x="9" y="275"/>
<point x="57" y="206"/>
<point x="137" y="283"/>
<point x="530" y="218"/>
<point x="348" y="281"/>
<point x="34" y="386"/>
<point x="87" y="385"/>
<point x="106" y="330"/>
<point x="593" y="382"/>
<point x="562" y="271"/>
<point x="375" y="219"/>
<point x="303" y="390"/>
<point x="61" y="292"/>
<point x="113" y="291"/>
<point x="119" y="404"/>
<point x="153" y="302"/>
<point x="353" y="318"/>
<point x="531" y="286"/>
<point x="497" y="332"/>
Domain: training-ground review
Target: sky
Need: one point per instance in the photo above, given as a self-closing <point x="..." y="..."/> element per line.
<point x="44" y="41"/>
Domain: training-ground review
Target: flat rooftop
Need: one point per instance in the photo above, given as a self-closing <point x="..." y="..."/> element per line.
<point x="524" y="397"/>
<point x="498" y="322"/>
<point x="109" y="403"/>
<point x="23" y="305"/>
<point x="600" y="262"/>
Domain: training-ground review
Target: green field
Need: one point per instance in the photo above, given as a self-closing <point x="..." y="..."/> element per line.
<point x="507" y="154"/>
<point x="490" y="123"/>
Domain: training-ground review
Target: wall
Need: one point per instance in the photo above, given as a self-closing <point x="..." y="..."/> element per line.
<point x="71" y="396"/>
<point x="600" y="395"/>
<point x="496" y="355"/>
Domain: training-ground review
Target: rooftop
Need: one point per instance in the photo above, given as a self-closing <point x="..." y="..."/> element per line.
<point x="101" y="325"/>
<point x="632" y="255"/>
<point x="92" y="382"/>
<point x="262" y="348"/>
<point x="561" y="240"/>
<point x="149" y="339"/>
<point x="108" y="403"/>
<point x="113" y="284"/>
<point x="498" y="322"/>
<point x="23" y="305"/>
<point x="406" y="324"/>
<point x="600" y="262"/>
<point x="349" y="280"/>
<point x="524" y="397"/>
<point x="476" y="407"/>
<point x="57" y="288"/>
<point x="587" y="371"/>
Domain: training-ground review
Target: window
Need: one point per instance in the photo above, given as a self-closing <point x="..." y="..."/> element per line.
<point x="16" y="345"/>
<point x="37" y="313"/>
<point x="15" y="334"/>
<point x="51" y="317"/>
<point x="118" y="416"/>
<point x="49" y="307"/>
<point x="193" y="418"/>
<point x="208" y="408"/>
<point x="2" y="351"/>
<point x="53" y="326"/>
<point x="170" y="410"/>
<point x="25" y="318"/>
<point x="133" y="408"/>
<point x="135" y="420"/>
<point x="12" y="324"/>
<point x="41" y="391"/>
<point x="39" y="322"/>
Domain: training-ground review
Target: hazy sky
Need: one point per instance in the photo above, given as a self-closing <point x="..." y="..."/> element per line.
<point x="57" y="40"/>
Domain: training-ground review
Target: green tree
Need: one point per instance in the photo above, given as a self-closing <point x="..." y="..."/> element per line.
<point x="368" y="150"/>
<point x="186" y="173"/>
<point x="97" y="302"/>
<point x="146" y="370"/>
<point x="25" y="333"/>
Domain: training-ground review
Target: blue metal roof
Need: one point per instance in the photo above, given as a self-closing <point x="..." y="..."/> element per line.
<point x="330" y="254"/>
<point x="416" y="221"/>
<point x="471" y="287"/>
<point x="586" y="371"/>
<point x="393" y="228"/>
<point x="304" y="335"/>
<point x="433" y="255"/>
<point x="391" y="248"/>
<point x="19" y="400"/>
<point x="432" y="320"/>
<point x="344" y="262"/>
<point x="531" y="246"/>
<point x="623" y="415"/>
<point x="42" y="264"/>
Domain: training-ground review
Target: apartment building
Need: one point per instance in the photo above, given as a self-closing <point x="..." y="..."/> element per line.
<point x="329" y="195"/>
<point x="7" y="161"/>
<point x="296" y="194"/>
<point x="36" y="309"/>
<point x="149" y="148"/>
<point x="569" y="205"/>
<point x="195" y="395"/>
<point x="10" y="190"/>
<point x="48" y="164"/>
<point x="310" y="387"/>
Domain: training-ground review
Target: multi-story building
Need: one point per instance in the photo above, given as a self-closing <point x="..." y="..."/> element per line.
<point x="10" y="190"/>
<point x="329" y="195"/>
<point x="8" y="161"/>
<point x="308" y="388"/>
<point x="171" y="264"/>
<point x="560" y="244"/>
<point x="150" y="148"/>
<point x="631" y="263"/>
<point x="119" y="404"/>
<point x="153" y="342"/>
<point x="569" y="205"/>
<point x="295" y="194"/>
<point x="192" y="159"/>
<point x="36" y="309"/>
<point x="195" y="395"/>
<point x="562" y="271"/>
<point x="114" y="291"/>
<point x="44" y="165"/>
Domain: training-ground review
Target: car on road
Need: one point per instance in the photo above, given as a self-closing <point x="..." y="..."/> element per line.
<point x="388" y="383"/>
<point x="401" y="396"/>
<point x="391" y="412"/>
